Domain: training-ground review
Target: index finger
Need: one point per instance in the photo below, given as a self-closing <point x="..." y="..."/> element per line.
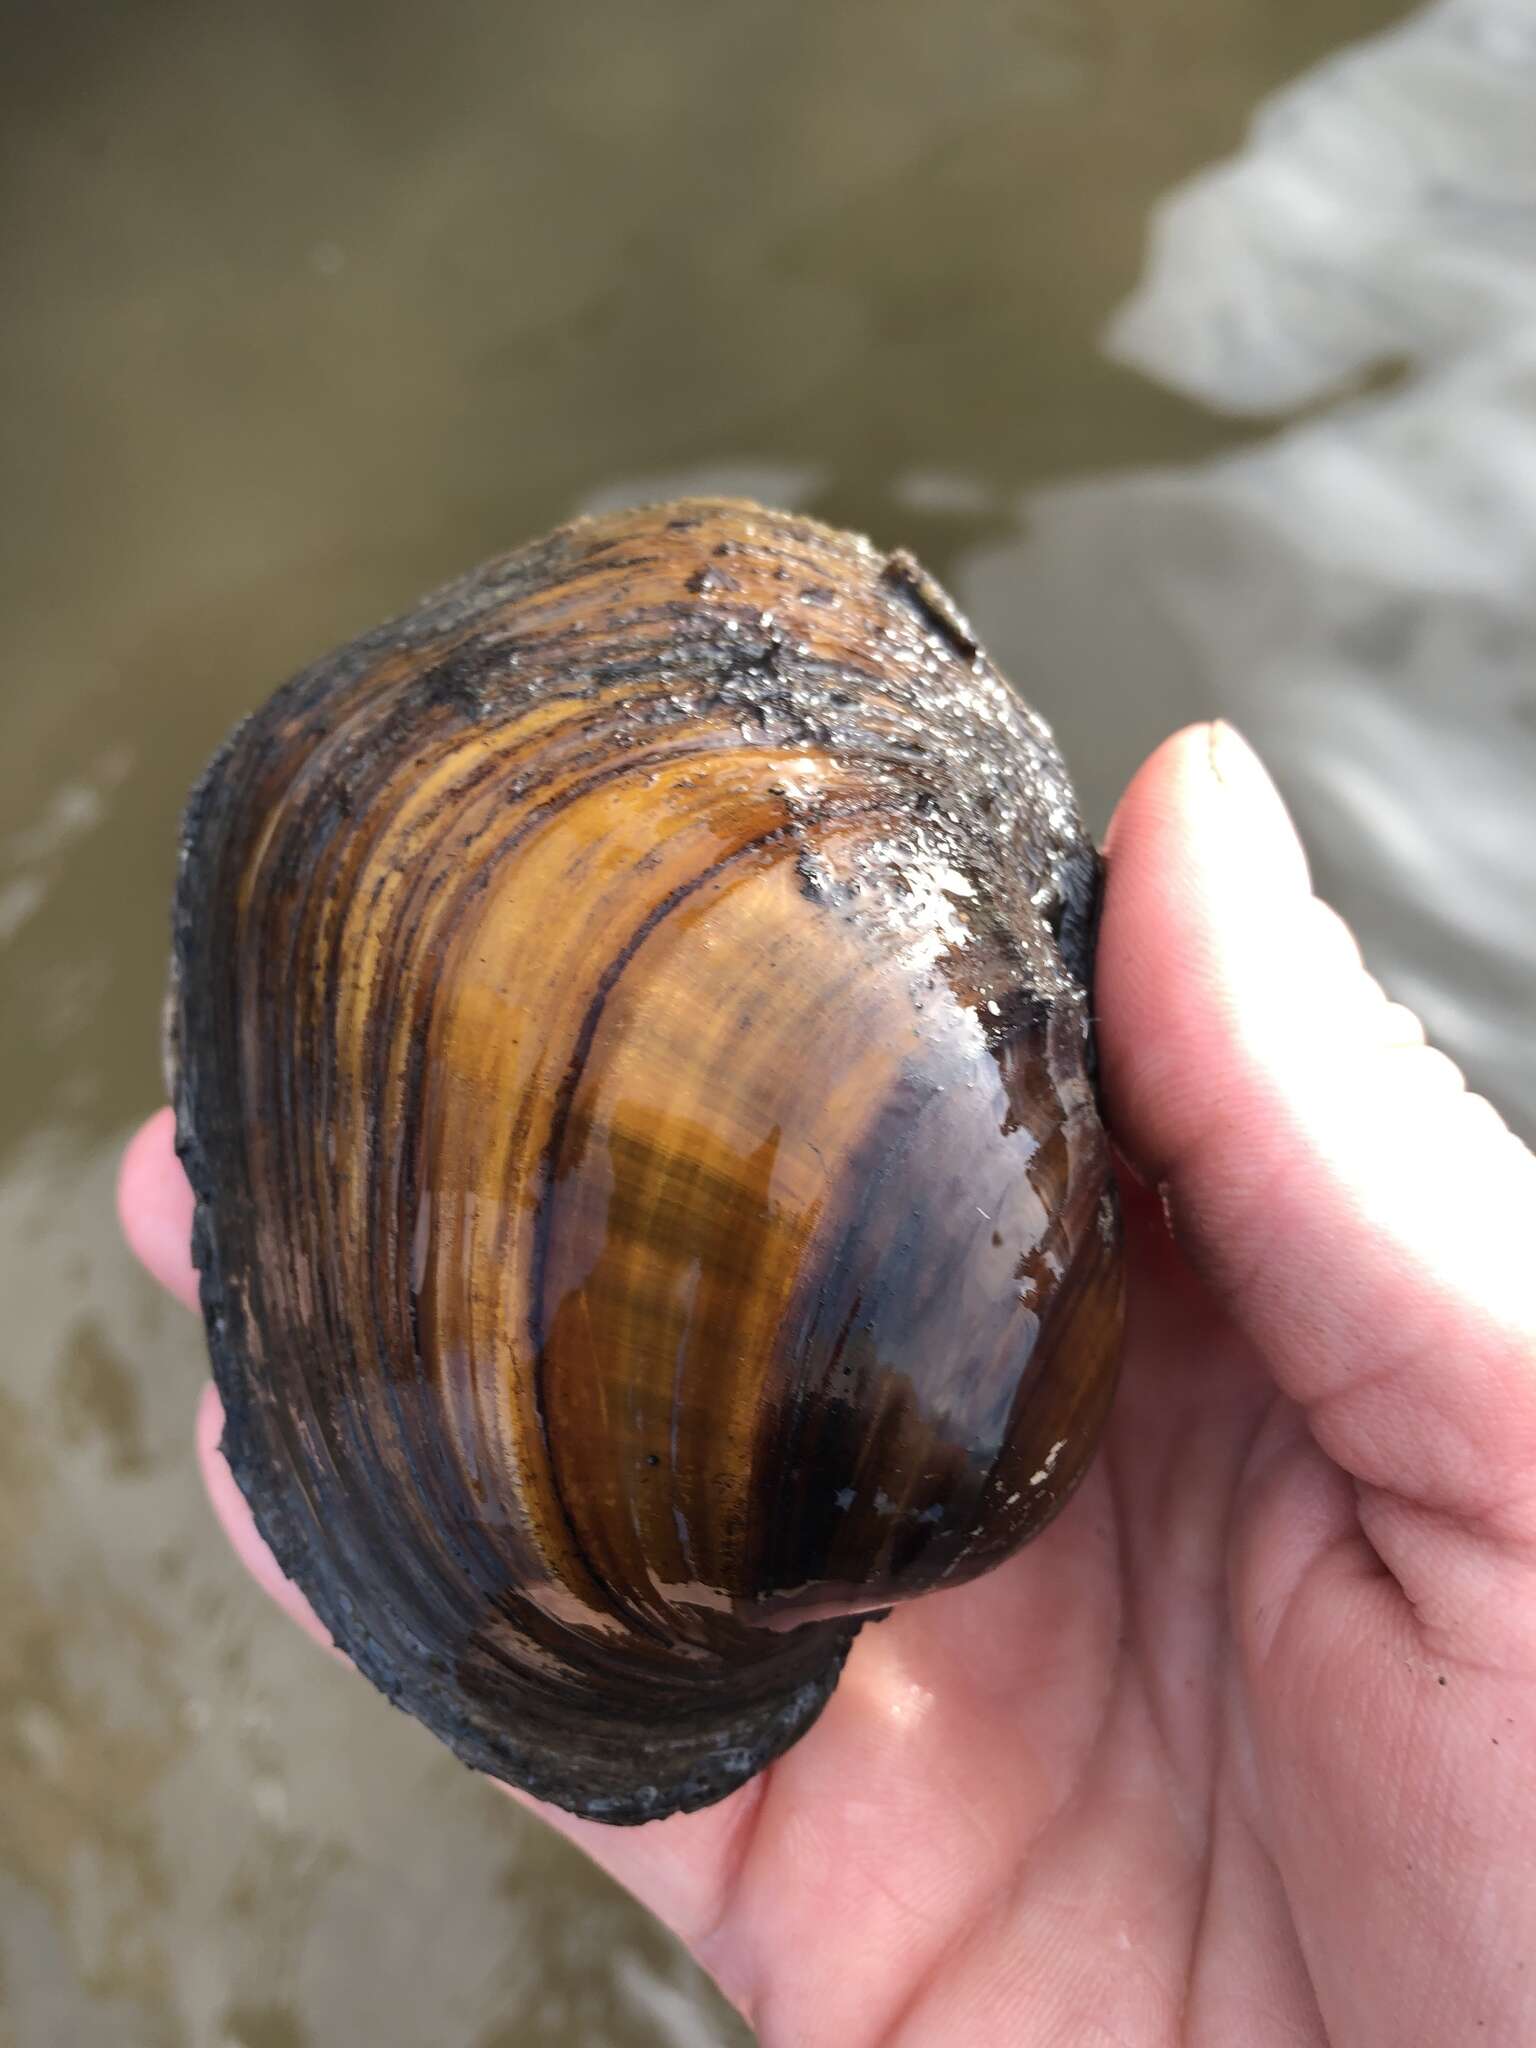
<point x="154" y="1206"/>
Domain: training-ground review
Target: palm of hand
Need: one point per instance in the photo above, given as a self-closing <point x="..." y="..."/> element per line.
<point x="1056" y="1805"/>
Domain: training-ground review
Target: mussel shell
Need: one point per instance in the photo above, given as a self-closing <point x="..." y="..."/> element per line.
<point x="634" y="1068"/>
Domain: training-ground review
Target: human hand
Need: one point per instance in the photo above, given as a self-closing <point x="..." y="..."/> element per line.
<point x="1243" y="1749"/>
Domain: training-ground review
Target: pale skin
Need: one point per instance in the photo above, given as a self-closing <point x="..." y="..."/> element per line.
<point x="1243" y="1750"/>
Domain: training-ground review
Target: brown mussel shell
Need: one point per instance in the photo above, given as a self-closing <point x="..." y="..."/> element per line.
<point x="630" y="1026"/>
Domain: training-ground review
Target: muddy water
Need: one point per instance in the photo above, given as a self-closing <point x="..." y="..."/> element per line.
<point x="308" y="308"/>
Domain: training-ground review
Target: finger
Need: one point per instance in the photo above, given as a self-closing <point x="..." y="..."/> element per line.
<point x="154" y="1206"/>
<point x="681" y="1868"/>
<point x="1367" y="1221"/>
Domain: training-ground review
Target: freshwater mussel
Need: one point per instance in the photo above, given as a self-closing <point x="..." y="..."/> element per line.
<point x="632" y="1056"/>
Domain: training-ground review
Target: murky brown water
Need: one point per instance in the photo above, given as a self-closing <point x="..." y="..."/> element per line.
<point x="309" y="308"/>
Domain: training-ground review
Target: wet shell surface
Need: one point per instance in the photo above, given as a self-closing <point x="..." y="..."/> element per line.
<point x="631" y="1052"/>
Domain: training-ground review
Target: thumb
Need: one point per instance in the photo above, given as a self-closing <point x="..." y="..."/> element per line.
<point x="1366" y="1221"/>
